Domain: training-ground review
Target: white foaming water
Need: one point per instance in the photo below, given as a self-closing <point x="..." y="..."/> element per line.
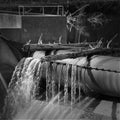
<point x="27" y="80"/>
<point x="22" y="87"/>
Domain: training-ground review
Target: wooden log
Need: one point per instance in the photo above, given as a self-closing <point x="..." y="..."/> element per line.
<point x="80" y="44"/>
<point x="88" y="53"/>
<point x="35" y="47"/>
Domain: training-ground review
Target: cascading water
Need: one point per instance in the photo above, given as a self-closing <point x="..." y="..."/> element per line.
<point x="66" y="84"/>
<point x="24" y="90"/>
<point x="73" y="84"/>
<point x="79" y="81"/>
<point x="59" y="68"/>
<point x="53" y="80"/>
<point x="48" y="76"/>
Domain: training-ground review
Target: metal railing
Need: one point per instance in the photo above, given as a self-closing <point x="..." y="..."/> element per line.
<point x="41" y="10"/>
<point x="35" y="10"/>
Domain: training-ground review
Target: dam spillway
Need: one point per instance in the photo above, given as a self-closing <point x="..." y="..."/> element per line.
<point x="58" y="84"/>
<point x="82" y="83"/>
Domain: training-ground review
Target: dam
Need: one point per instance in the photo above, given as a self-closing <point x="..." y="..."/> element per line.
<point x="59" y="65"/>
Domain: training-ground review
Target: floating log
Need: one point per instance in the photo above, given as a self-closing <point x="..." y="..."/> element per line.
<point x="88" y="53"/>
<point x="80" y="44"/>
<point x="35" y="47"/>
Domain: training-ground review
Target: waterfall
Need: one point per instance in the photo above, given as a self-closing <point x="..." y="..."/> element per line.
<point x="21" y="90"/>
<point x="73" y="84"/>
<point x="31" y="77"/>
<point x="48" y="81"/>
<point x="79" y="78"/>
<point x="66" y="84"/>
<point x="54" y="66"/>
<point x="59" y="70"/>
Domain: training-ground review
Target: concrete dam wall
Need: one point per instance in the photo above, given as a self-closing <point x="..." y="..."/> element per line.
<point x="10" y="21"/>
<point x="30" y="27"/>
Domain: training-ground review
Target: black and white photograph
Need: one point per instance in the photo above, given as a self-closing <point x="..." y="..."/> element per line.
<point x="59" y="60"/>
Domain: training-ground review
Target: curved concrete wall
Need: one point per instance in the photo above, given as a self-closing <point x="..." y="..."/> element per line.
<point x="6" y="55"/>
